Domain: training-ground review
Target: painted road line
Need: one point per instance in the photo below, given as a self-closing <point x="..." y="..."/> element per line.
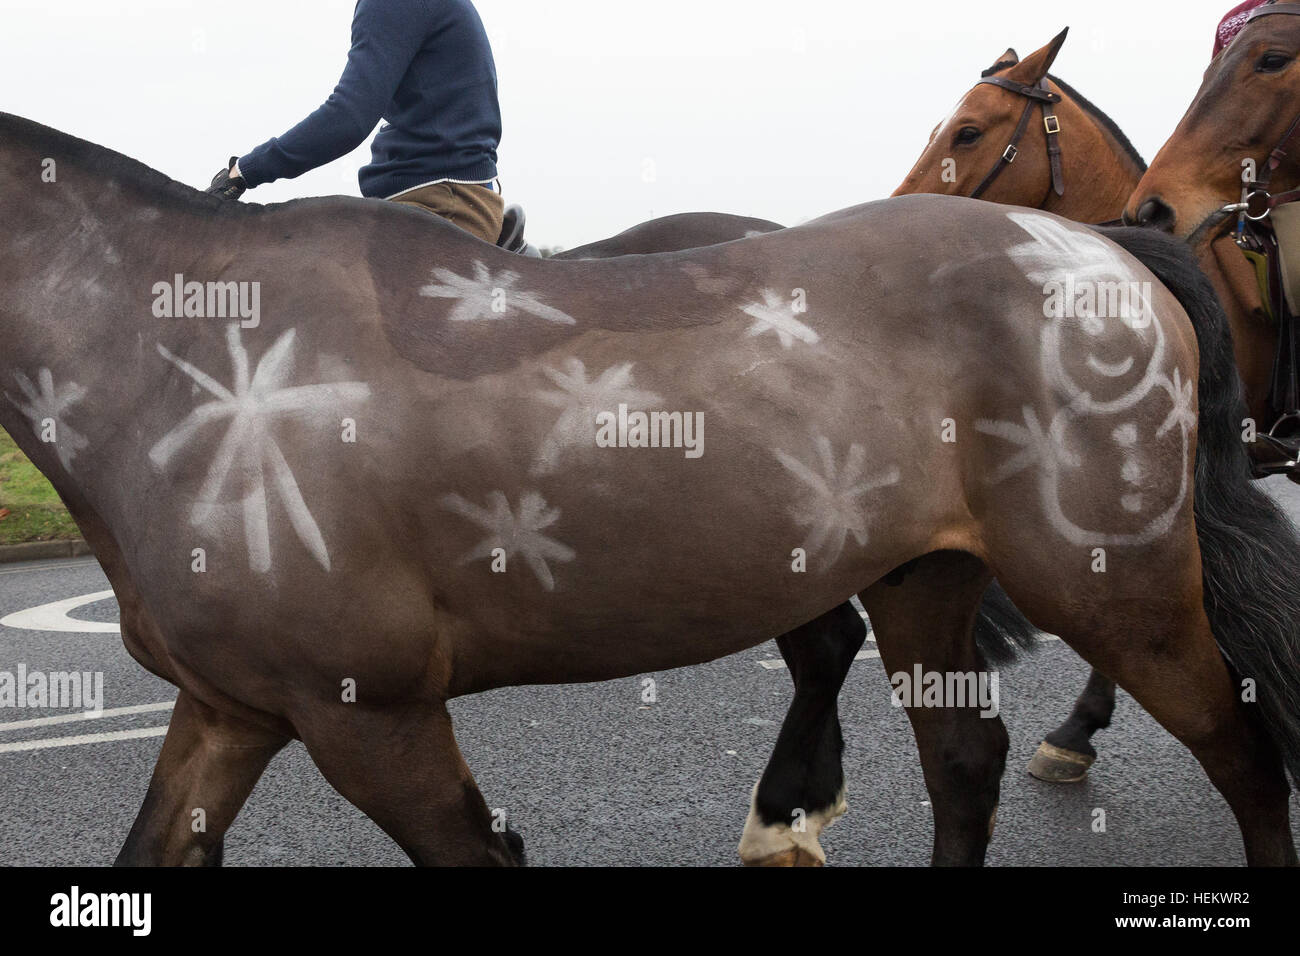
<point x="88" y="715"/>
<point x="776" y="663"/>
<point x="54" y="617"/>
<point x="52" y="567"/>
<point x="50" y="742"/>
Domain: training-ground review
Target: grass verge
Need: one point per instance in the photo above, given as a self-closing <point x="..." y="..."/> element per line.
<point x="35" y="511"/>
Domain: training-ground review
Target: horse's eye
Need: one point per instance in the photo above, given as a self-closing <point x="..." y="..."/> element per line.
<point x="1272" y="63"/>
<point x="967" y="135"/>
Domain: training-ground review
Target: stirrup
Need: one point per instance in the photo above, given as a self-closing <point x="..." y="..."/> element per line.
<point x="1274" y="453"/>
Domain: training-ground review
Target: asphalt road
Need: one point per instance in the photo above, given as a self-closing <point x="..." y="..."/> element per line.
<point x="589" y="775"/>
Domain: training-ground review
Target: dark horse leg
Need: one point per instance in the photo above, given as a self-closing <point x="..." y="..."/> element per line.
<point x="1172" y="666"/>
<point x="1066" y="753"/>
<point x="802" y="790"/>
<point x="400" y="766"/>
<point x="209" y="764"/>
<point x="928" y="619"/>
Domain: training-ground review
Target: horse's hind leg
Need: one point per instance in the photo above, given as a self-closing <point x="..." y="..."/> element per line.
<point x="1066" y="753"/>
<point x="802" y="790"/>
<point x="926" y="621"/>
<point x="401" y="767"/>
<point x="1173" y="668"/>
<point x="209" y="764"/>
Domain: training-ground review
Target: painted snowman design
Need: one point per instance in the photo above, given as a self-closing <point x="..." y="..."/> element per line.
<point x="1115" y="384"/>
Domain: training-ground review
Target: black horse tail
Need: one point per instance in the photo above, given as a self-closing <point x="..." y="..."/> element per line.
<point x="1249" y="548"/>
<point x="1001" y="631"/>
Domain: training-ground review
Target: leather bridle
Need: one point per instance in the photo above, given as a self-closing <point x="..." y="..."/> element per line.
<point x="1260" y="239"/>
<point x="1038" y="95"/>
<point x="1258" y="202"/>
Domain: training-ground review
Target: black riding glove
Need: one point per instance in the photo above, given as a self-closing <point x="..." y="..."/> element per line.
<point x="227" y="186"/>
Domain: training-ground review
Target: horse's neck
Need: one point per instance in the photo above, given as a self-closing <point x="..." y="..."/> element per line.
<point x="1099" y="174"/>
<point x="82" y="253"/>
<point x="78" y="258"/>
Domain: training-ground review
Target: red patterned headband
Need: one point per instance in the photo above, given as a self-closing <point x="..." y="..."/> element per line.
<point x="1231" y="24"/>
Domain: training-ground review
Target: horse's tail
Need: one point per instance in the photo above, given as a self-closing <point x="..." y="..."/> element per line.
<point x="1001" y="631"/>
<point x="1250" y="554"/>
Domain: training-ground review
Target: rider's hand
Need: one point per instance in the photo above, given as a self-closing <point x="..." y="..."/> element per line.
<point x="226" y="185"/>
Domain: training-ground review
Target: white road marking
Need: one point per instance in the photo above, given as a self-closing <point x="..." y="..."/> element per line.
<point x="88" y="715"/>
<point x="54" y="617"/>
<point x="52" y="567"/>
<point x="49" y="742"/>
<point x="776" y="664"/>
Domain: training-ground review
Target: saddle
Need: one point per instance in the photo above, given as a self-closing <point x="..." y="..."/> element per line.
<point x="512" y="233"/>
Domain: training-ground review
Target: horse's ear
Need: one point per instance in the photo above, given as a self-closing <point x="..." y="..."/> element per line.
<point x="1035" y="66"/>
<point x="1010" y="58"/>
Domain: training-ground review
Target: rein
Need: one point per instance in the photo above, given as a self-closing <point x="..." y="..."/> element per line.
<point x="1037" y="94"/>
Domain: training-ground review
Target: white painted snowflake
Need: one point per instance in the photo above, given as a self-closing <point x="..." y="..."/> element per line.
<point x="579" y="401"/>
<point x="1057" y="250"/>
<point x="1183" y="413"/>
<point x="520" y="535"/>
<point x="486" y="296"/>
<point x="1045" y="448"/>
<point x="776" y="314"/>
<point x="833" y="508"/>
<point x="248" y="448"/>
<point x="47" y="404"/>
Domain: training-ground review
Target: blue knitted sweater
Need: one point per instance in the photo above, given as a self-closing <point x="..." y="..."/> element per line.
<point x="426" y="67"/>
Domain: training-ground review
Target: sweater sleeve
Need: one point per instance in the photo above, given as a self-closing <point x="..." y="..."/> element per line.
<point x="386" y="35"/>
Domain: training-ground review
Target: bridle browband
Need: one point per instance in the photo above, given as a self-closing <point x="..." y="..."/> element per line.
<point x="1036" y="94"/>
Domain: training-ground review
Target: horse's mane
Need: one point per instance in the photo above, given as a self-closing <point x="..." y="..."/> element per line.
<point x="1085" y="104"/>
<point x="1108" y="124"/>
<point x="124" y="170"/>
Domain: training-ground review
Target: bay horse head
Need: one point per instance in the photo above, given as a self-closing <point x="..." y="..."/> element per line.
<point x="1022" y="137"/>
<point x="1241" y="126"/>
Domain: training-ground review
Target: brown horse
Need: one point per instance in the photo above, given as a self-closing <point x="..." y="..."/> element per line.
<point x="1241" y="119"/>
<point x="409" y="476"/>
<point x="965" y="156"/>
<point x="1096" y="167"/>
<point x="1024" y="137"/>
<point x="688" y="230"/>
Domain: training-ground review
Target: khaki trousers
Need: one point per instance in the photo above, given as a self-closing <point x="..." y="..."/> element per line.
<point x="476" y="209"/>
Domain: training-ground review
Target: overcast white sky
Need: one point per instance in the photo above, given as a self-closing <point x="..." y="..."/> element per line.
<point x="784" y="110"/>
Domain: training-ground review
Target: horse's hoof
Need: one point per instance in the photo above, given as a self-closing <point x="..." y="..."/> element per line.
<point x="794" y="856"/>
<point x="1058" y="765"/>
<point x="779" y="844"/>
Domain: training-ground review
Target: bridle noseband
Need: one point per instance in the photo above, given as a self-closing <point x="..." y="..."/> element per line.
<point x="1036" y="94"/>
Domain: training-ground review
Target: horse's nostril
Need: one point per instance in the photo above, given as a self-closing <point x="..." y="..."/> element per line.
<point x="1155" y="213"/>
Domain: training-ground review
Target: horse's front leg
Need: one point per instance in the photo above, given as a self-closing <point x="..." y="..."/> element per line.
<point x="802" y="790"/>
<point x="1066" y="753"/>
<point x="209" y="765"/>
